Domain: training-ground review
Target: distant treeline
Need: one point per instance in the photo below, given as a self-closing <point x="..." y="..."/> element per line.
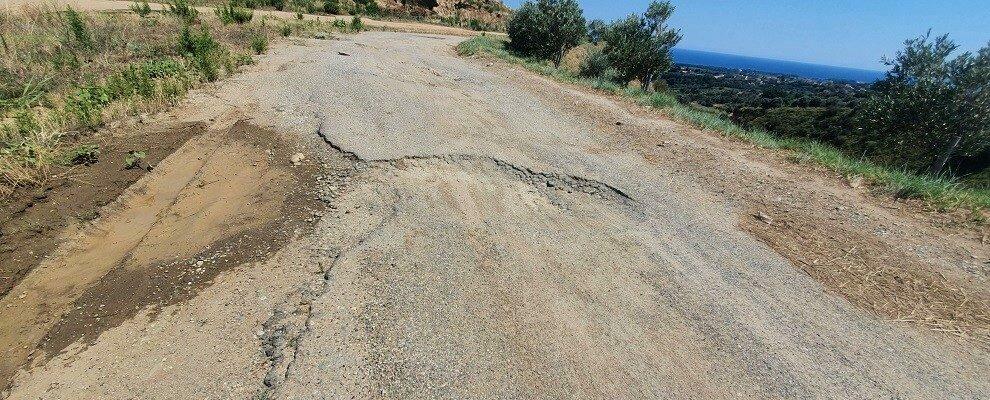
<point x="930" y="114"/>
<point x="786" y="105"/>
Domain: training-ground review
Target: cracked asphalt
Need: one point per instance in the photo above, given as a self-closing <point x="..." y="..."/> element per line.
<point x="485" y="240"/>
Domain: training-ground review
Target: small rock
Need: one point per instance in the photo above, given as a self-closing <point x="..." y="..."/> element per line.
<point x="765" y="218"/>
<point x="320" y="35"/>
<point x="855" y="181"/>
<point x="297" y="158"/>
<point x="199" y="263"/>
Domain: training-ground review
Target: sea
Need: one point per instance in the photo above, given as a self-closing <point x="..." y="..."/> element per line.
<point x="767" y="65"/>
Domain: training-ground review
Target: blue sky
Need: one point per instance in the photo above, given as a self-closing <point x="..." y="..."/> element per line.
<point x="846" y="33"/>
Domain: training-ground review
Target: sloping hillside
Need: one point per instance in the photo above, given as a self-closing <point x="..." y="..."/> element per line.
<point x="486" y="12"/>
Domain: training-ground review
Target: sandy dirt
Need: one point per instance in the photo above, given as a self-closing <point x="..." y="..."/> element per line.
<point x="492" y="234"/>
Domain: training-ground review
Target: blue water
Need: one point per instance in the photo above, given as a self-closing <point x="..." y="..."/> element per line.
<point x="805" y="70"/>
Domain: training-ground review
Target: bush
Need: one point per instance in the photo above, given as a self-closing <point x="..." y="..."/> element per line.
<point x="595" y="64"/>
<point x="546" y="28"/>
<point x="332" y="7"/>
<point x="369" y="7"/>
<point x="356" y="24"/>
<point x="285" y="30"/>
<point x="228" y="14"/>
<point x="141" y="8"/>
<point x="203" y="50"/>
<point x="182" y="10"/>
<point x="259" y="43"/>
<point x="638" y="47"/>
<point x="78" y="30"/>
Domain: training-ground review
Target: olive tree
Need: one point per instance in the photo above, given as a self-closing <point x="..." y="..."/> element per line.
<point x="930" y="107"/>
<point x="638" y="47"/>
<point x="547" y="28"/>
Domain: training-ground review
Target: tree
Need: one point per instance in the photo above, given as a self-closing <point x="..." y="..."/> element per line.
<point x="547" y="28"/>
<point x="595" y="30"/>
<point x="929" y="109"/>
<point x="638" y="47"/>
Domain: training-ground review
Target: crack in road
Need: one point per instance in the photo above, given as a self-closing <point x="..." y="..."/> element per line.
<point x="548" y="180"/>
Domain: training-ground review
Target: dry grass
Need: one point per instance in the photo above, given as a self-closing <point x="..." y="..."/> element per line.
<point x="65" y="74"/>
<point x="869" y="273"/>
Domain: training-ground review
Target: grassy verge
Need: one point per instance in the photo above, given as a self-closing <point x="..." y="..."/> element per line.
<point x="941" y="193"/>
<point x="65" y="74"/>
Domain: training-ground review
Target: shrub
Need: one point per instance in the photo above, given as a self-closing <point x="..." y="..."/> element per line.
<point x="595" y="64"/>
<point x="259" y="43"/>
<point x="356" y="24"/>
<point x="182" y="10"/>
<point x="229" y="14"/>
<point x="638" y="47"/>
<point x="285" y="30"/>
<point x="202" y="49"/>
<point x="369" y="7"/>
<point x="332" y="7"/>
<point x="277" y="4"/>
<point x="141" y="8"/>
<point x="86" y="154"/>
<point x="78" y="30"/>
<point x="547" y="28"/>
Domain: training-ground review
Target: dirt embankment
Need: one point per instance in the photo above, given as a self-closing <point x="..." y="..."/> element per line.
<point x="221" y="200"/>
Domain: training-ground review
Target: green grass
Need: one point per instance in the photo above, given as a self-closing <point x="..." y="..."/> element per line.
<point x="941" y="193"/>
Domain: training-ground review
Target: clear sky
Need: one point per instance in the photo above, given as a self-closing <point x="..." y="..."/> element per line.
<point x="848" y="33"/>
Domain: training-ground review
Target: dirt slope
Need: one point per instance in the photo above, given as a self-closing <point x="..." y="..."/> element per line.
<point x="491" y="234"/>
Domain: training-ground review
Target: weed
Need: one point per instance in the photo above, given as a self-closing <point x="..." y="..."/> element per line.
<point x="299" y="16"/>
<point x="182" y="10"/>
<point x="228" y="14"/>
<point x="259" y="43"/>
<point x="86" y="154"/>
<point x="202" y="49"/>
<point x="78" y="30"/>
<point x="285" y="30"/>
<point x="141" y="8"/>
<point x="356" y="24"/>
<point x="133" y="159"/>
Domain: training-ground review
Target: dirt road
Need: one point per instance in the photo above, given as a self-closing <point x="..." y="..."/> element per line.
<point x="492" y="234"/>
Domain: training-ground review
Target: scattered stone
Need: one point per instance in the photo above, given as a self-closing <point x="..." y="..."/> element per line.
<point x="297" y="158"/>
<point x="764" y="218"/>
<point x="320" y="35"/>
<point x="855" y="181"/>
<point x="199" y="263"/>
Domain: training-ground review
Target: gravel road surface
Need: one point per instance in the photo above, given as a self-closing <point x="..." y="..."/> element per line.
<point x="491" y="234"/>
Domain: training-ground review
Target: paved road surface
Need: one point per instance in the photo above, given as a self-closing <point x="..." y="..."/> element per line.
<point x="493" y="235"/>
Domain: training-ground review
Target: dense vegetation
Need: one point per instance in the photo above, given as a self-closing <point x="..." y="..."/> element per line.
<point x="786" y="105"/>
<point x="929" y="115"/>
<point x="915" y="133"/>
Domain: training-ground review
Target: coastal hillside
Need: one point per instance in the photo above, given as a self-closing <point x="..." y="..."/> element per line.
<point x="489" y="12"/>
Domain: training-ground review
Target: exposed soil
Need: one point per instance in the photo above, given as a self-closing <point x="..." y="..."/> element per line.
<point x="222" y="200"/>
<point x="490" y="234"/>
<point x="31" y="220"/>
